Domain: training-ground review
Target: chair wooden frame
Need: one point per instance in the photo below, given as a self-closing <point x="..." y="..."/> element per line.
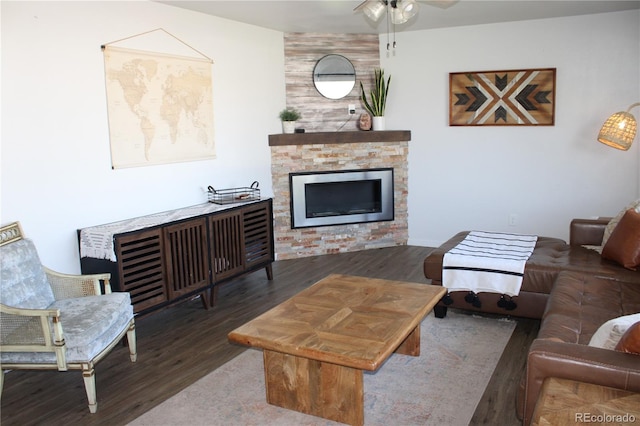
<point x="41" y="330"/>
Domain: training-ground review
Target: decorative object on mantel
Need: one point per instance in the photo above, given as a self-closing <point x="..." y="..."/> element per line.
<point x="378" y="98"/>
<point x="234" y="195"/>
<point x="289" y="116"/>
<point x="502" y="98"/>
<point x="365" y="121"/>
<point x="619" y="130"/>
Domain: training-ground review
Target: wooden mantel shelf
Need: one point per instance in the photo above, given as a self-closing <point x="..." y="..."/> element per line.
<point x="339" y="137"/>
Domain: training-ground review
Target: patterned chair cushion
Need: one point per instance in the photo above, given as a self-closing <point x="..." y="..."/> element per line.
<point x="89" y="325"/>
<point x="23" y="283"/>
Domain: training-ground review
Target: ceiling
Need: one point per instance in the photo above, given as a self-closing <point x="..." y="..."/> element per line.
<point x="338" y="16"/>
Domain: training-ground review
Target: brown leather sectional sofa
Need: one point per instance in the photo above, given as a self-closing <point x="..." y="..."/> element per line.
<point x="573" y="291"/>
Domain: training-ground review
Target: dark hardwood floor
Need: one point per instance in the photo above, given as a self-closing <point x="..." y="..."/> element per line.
<point x="179" y="345"/>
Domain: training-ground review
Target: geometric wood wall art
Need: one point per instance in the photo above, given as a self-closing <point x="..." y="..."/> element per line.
<point x="502" y="98"/>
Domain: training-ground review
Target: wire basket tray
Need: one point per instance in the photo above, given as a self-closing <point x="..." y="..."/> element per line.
<point x="233" y="195"/>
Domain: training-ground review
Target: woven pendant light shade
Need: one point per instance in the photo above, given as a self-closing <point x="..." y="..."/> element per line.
<point x="619" y="130"/>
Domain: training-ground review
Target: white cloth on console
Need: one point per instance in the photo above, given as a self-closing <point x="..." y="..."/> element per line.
<point x="97" y="241"/>
<point x="488" y="262"/>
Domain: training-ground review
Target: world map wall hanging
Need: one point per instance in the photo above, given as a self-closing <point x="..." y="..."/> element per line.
<point x="502" y="98"/>
<point x="159" y="102"/>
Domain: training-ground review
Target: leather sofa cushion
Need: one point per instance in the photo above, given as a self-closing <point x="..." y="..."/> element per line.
<point x="580" y="303"/>
<point x="550" y="257"/>
<point x="623" y="246"/>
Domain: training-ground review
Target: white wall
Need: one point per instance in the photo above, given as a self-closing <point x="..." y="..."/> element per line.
<point x="56" y="172"/>
<point x="463" y="178"/>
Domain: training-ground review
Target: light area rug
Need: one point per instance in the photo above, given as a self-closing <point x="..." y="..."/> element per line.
<point x="440" y="387"/>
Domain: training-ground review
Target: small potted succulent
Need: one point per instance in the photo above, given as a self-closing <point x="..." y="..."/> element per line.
<point x="289" y="116"/>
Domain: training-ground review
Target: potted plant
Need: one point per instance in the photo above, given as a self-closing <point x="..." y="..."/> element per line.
<point x="378" y="97"/>
<point x="289" y="116"/>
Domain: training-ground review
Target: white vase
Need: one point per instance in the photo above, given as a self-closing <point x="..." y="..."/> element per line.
<point x="289" y="126"/>
<point x="378" y="123"/>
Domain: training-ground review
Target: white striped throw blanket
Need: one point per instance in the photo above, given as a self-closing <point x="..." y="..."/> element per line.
<point x="488" y="262"/>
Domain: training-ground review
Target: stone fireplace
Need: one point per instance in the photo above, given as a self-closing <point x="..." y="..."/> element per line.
<point x="307" y="153"/>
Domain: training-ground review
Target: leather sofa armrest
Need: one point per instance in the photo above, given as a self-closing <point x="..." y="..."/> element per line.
<point x="582" y="363"/>
<point x="587" y="231"/>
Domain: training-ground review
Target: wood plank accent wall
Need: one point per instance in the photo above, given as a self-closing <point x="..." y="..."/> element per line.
<point x="301" y="52"/>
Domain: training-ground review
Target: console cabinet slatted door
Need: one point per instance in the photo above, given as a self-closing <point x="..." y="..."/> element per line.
<point x="174" y="260"/>
<point x="141" y="270"/>
<point x="258" y="235"/>
<point x="186" y="257"/>
<point x="227" y="259"/>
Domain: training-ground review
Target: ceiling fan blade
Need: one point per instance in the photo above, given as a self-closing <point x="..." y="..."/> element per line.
<point x="361" y="5"/>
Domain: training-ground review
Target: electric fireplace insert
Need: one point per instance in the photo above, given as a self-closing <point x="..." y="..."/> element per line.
<point x="340" y="197"/>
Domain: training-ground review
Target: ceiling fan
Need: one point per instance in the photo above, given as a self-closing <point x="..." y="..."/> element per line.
<point x="399" y="11"/>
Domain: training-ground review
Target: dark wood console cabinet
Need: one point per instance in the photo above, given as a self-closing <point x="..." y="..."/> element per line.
<point x="170" y="261"/>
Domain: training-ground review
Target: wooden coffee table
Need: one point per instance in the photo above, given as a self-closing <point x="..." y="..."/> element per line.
<point x="317" y="344"/>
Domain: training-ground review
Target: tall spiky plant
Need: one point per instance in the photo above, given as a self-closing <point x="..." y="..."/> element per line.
<point x="378" y="95"/>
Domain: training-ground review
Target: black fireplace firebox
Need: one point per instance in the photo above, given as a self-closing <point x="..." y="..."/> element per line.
<point x="340" y="197"/>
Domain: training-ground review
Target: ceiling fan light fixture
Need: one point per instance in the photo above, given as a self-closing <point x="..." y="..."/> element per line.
<point x="403" y="11"/>
<point x="409" y="8"/>
<point x="374" y="9"/>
